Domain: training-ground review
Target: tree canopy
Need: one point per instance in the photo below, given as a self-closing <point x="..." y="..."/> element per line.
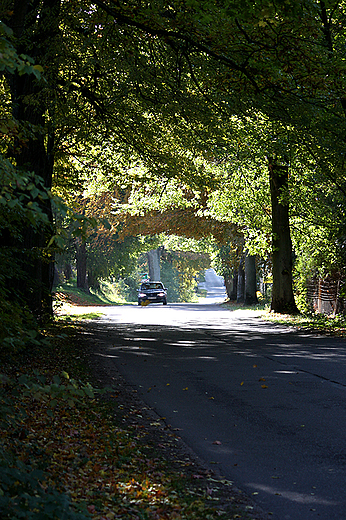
<point x="242" y="104"/>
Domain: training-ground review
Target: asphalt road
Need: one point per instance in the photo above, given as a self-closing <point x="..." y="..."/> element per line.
<point x="261" y="403"/>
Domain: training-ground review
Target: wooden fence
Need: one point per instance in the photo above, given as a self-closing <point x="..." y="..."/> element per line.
<point x="325" y="295"/>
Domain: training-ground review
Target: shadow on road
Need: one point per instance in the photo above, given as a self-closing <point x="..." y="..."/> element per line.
<point x="256" y="400"/>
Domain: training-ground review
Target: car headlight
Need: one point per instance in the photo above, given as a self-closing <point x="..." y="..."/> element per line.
<point x="161" y="294"/>
<point x="142" y="295"/>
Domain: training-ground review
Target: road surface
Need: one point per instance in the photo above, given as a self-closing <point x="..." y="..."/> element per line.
<point x="214" y="285"/>
<point x="262" y="403"/>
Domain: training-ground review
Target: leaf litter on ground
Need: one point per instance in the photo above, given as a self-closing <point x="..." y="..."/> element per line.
<point x="73" y="438"/>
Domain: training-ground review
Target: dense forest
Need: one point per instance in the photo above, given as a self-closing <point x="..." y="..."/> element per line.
<point x="206" y="120"/>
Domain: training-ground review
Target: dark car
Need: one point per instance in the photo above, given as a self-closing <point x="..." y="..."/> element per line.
<point x="152" y="292"/>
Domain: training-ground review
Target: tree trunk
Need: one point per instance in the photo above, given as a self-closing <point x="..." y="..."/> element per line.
<point x="282" y="292"/>
<point x="38" y="26"/>
<point x="68" y="271"/>
<point x="228" y="284"/>
<point x="233" y="293"/>
<point x="81" y="264"/>
<point x="241" y="282"/>
<point x="250" y="280"/>
<point x="56" y="277"/>
<point x="93" y="281"/>
<point x="154" y="264"/>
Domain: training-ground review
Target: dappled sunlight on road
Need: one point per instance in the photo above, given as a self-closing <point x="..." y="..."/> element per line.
<point x="212" y="330"/>
<point x="248" y="395"/>
<point x="182" y="315"/>
<point x="300" y="498"/>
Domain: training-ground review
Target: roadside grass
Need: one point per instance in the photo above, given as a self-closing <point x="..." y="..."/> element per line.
<point x="311" y="322"/>
<point x="70" y="302"/>
<point x="74" y="315"/>
<point x="335" y="325"/>
<point x="65" y="452"/>
<point x="68" y="293"/>
<point x="262" y="308"/>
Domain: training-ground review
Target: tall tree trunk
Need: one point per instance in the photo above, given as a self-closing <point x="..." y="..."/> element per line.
<point x="228" y="284"/>
<point x="68" y="271"/>
<point x="282" y="292"/>
<point x="81" y="264"/>
<point x="250" y="280"/>
<point x="93" y="282"/>
<point x="34" y="28"/>
<point x="154" y="264"/>
<point x="241" y="282"/>
<point x="234" y="291"/>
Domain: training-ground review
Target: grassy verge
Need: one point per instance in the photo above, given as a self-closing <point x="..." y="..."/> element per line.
<point x="66" y="453"/>
<point x="76" y="314"/>
<point x="321" y="323"/>
<point x="70" y="294"/>
<point x="335" y="325"/>
<point x="70" y="302"/>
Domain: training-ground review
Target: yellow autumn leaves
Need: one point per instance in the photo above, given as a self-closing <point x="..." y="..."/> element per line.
<point x="260" y="380"/>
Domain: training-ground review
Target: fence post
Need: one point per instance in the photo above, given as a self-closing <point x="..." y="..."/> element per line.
<point x="337" y="299"/>
<point x="319" y="300"/>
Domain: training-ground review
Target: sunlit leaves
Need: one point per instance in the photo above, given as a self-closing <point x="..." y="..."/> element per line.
<point x="10" y="61"/>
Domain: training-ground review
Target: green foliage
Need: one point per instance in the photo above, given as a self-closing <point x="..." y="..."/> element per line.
<point x="9" y="59"/>
<point x="170" y="279"/>
<point x="17" y="327"/>
<point x="23" y="494"/>
<point x="112" y="257"/>
<point x="179" y="272"/>
<point x="21" y="197"/>
<point x="183" y="267"/>
<point x="128" y="286"/>
<point x="67" y="293"/>
<point x="60" y="389"/>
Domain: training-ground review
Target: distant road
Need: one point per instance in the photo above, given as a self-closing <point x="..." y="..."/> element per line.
<point x="264" y="405"/>
<point x="214" y="285"/>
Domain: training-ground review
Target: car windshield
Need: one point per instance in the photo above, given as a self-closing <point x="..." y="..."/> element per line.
<point x="152" y="285"/>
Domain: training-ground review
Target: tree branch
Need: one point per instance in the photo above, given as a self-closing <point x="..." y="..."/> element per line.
<point x="172" y="36"/>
